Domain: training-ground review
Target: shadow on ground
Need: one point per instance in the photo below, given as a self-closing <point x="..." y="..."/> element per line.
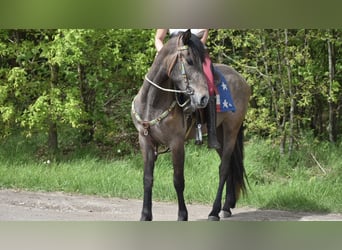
<point x="285" y="207"/>
<point x="295" y="202"/>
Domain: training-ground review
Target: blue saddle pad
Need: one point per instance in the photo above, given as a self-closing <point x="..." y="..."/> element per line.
<point x="224" y="100"/>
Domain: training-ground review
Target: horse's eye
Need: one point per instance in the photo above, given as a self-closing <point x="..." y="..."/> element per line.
<point x="189" y="61"/>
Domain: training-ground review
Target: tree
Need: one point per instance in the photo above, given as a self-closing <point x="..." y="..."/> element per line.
<point x="82" y="81"/>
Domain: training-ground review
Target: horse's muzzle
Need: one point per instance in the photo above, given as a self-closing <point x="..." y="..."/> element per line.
<point x="199" y="101"/>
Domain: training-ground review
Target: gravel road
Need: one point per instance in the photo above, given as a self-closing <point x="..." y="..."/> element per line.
<point x="19" y="205"/>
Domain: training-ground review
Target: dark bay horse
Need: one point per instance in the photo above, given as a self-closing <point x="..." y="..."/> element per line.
<point x="160" y="120"/>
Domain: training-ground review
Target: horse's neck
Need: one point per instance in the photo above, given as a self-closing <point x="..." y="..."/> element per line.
<point x="153" y="96"/>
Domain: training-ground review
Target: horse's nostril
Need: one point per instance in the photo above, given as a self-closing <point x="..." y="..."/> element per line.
<point x="204" y="101"/>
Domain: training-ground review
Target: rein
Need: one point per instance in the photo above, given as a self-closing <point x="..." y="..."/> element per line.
<point x="187" y="91"/>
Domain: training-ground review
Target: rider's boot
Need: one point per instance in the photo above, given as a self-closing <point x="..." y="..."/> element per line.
<point x="211" y="123"/>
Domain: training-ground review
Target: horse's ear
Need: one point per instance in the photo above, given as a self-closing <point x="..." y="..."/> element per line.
<point x="186" y="37"/>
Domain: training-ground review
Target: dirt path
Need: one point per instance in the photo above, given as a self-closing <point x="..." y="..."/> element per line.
<point x="18" y="205"/>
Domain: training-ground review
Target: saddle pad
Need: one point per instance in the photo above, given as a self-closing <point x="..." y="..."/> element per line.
<point x="224" y="100"/>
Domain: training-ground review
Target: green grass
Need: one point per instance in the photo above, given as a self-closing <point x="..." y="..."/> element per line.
<point x="275" y="181"/>
<point x="297" y="182"/>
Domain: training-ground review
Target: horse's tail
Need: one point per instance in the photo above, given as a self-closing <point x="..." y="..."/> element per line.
<point x="238" y="174"/>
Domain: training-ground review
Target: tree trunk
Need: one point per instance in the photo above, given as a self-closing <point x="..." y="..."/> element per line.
<point x="282" y="116"/>
<point x="88" y="98"/>
<point x="53" y="137"/>
<point x="291" y="95"/>
<point x="332" y="105"/>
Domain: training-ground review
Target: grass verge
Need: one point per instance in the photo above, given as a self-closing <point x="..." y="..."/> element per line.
<point x="309" y="180"/>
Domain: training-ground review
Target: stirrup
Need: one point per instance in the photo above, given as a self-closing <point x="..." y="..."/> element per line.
<point x="199" y="139"/>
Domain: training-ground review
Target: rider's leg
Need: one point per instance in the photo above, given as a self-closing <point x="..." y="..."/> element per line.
<point x="211" y="107"/>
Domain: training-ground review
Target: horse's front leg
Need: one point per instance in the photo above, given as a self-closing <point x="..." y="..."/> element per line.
<point x="149" y="162"/>
<point x="178" y="156"/>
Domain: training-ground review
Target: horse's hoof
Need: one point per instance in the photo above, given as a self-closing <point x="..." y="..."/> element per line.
<point x="226" y="214"/>
<point x="182" y="218"/>
<point x="183" y="215"/>
<point x="213" y="218"/>
<point x="145" y="218"/>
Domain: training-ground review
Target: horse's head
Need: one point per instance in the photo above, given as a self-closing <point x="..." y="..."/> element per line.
<point x="184" y="68"/>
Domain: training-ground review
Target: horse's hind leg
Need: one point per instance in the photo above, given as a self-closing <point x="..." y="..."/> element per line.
<point x="231" y="185"/>
<point x="230" y="198"/>
<point x="214" y="214"/>
<point x="178" y="179"/>
<point x="224" y="171"/>
<point x="230" y="193"/>
<point x="235" y="181"/>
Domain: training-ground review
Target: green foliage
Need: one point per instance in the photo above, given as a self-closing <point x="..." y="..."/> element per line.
<point x="83" y="80"/>
<point x="288" y="71"/>
<point x="113" y="63"/>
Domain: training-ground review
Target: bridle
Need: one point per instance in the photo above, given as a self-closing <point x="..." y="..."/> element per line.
<point x="188" y="90"/>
